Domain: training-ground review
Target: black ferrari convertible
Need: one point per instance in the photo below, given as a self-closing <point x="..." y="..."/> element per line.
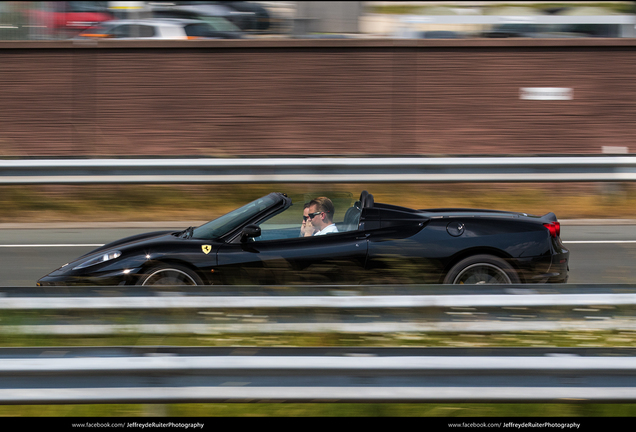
<point x="260" y="244"/>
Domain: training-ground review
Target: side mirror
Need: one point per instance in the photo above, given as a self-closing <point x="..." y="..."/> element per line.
<point x="250" y="231"/>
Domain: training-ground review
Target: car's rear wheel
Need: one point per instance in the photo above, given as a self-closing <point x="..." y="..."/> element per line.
<point x="170" y="275"/>
<point x="482" y="269"/>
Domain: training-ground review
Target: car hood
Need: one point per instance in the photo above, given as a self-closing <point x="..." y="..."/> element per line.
<point x="126" y="241"/>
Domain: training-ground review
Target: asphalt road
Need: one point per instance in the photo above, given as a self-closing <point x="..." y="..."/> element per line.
<point x="599" y="253"/>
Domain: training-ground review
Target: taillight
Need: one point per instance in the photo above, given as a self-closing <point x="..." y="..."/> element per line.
<point x="554" y="228"/>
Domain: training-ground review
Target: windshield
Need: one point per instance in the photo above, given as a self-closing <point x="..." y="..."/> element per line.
<point x="225" y="224"/>
<point x="199" y="29"/>
<point x="219" y="23"/>
<point x="87" y="6"/>
<point x="99" y="29"/>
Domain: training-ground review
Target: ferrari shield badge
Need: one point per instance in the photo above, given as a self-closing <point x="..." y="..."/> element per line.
<point x="206" y="249"/>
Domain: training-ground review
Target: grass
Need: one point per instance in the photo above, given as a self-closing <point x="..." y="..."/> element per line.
<point x="92" y="203"/>
<point x="590" y="338"/>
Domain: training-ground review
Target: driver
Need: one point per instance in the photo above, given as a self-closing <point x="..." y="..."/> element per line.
<point x="320" y="216"/>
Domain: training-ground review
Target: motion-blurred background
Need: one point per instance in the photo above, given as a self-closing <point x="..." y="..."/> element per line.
<point x="316" y="78"/>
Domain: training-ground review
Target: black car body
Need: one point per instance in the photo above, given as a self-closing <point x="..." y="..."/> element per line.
<point x="377" y="243"/>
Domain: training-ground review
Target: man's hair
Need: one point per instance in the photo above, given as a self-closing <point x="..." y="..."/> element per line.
<point x="323" y="204"/>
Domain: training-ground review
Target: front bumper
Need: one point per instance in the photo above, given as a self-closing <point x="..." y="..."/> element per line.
<point x="113" y="278"/>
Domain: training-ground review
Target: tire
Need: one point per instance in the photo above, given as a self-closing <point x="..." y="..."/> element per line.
<point x="482" y="269"/>
<point x="170" y="275"/>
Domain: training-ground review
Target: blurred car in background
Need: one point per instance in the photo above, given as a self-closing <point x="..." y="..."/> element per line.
<point x="66" y="19"/>
<point x="539" y="31"/>
<point x="160" y="28"/>
<point x="245" y="15"/>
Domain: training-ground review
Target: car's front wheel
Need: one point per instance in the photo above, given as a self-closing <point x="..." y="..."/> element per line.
<point x="170" y="275"/>
<point x="482" y="269"/>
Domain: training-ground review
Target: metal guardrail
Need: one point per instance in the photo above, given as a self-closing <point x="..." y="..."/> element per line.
<point x="323" y="169"/>
<point x="304" y="375"/>
<point x="251" y="374"/>
<point x="111" y="310"/>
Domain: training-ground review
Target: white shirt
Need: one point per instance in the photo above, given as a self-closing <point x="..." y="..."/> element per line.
<point x="328" y="229"/>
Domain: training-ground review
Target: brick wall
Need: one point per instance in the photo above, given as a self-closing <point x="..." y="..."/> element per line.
<point x="314" y="97"/>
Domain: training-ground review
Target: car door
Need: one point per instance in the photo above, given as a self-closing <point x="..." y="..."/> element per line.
<point x="337" y="258"/>
<point x="401" y="250"/>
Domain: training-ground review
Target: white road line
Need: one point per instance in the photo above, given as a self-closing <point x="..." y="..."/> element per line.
<point x="598" y="241"/>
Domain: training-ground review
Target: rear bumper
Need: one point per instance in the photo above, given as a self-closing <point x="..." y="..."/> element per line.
<point x="546" y="269"/>
<point x="556" y="277"/>
<point x="559" y="268"/>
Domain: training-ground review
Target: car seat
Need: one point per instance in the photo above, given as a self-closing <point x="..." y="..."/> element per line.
<point x="352" y="217"/>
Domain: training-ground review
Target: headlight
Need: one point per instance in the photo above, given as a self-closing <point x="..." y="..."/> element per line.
<point x="99" y="259"/>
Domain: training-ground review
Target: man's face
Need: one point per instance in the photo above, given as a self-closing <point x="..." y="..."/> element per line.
<point x="316" y="221"/>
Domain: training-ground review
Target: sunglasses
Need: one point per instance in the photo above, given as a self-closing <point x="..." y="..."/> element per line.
<point x="312" y="215"/>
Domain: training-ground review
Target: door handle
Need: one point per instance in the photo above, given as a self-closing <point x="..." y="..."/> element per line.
<point x="363" y="237"/>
